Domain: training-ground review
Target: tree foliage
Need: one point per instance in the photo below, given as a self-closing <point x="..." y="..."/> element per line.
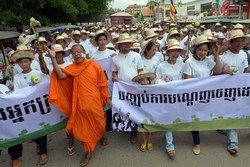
<point x="51" y="11"/>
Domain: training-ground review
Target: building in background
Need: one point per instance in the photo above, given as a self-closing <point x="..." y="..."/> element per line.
<point x="133" y="9"/>
<point x="121" y="18"/>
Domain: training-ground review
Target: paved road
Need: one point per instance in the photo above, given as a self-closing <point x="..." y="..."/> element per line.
<point x="120" y="153"/>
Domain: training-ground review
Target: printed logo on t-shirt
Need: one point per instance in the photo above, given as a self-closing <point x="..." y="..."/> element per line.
<point x="133" y="61"/>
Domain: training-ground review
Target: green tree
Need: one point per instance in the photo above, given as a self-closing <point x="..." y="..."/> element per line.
<point x="151" y="5"/>
<point x="51" y="11"/>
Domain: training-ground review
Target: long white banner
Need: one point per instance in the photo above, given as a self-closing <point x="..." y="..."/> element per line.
<point x="193" y="104"/>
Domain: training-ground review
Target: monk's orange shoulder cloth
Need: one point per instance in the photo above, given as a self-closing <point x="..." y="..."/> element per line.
<point x="61" y="90"/>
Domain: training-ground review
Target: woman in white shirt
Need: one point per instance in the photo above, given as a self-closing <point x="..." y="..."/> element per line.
<point x="200" y="65"/>
<point x="170" y="70"/>
<point x="149" y="60"/>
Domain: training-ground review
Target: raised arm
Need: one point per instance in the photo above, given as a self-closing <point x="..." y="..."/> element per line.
<point x="59" y="73"/>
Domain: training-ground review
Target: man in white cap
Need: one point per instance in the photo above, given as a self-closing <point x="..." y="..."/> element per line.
<point x="77" y="40"/>
<point x="125" y="65"/>
<point x="217" y="29"/>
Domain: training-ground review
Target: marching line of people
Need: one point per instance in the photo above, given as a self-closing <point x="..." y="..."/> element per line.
<point x="144" y="54"/>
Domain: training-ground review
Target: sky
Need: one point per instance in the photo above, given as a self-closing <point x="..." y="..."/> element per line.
<point x="122" y="4"/>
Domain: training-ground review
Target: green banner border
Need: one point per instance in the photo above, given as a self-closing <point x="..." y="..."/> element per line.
<point x="5" y="143"/>
<point x="198" y="125"/>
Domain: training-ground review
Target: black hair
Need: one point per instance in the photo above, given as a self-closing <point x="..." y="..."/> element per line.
<point x="149" y="46"/>
<point x="20" y="29"/>
<point x="98" y="36"/>
<point x="23" y="58"/>
<point x="209" y="45"/>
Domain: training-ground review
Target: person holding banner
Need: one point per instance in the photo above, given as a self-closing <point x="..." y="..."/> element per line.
<point x="15" y="152"/>
<point x="167" y="71"/>
<point x="145" y="78"/>
<point x="100" y="40"/>
<point x="200" y="65"/>
<point x="81" y="92"/>
<point x="126" y="65"/>
<point x="234" y="61"/>
<point x="28" y="77"/>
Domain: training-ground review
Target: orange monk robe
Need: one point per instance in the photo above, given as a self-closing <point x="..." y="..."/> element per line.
<point x="82" y="96"/>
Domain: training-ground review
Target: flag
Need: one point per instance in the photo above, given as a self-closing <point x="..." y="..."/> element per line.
<point x="224" y="10"/>
<point x="173" y="11"/>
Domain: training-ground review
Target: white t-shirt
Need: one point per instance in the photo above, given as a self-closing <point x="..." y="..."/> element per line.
<point x="98" y="55"/>
<point x="160" y="56"/>
<point x="237" y="62"/>
<point x="34" y="66"/>
<point x="22" y="80"/>
<point x="184" y="40"/>
<point x="92" y="50"/>
<point x="150" y="64"/>
<point x="170" y="72"/>
<point x="85" y="46"/>
<point x="4" y="88"/>
<point x="197" y="68"/>
<point x="65" y="64"/>
<point x="127" y="65"/>
<point x="161" y="42"/>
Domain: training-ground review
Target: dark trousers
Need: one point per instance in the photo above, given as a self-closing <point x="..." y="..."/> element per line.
<point x="16" y="151"/>
<point x="196" y="137"/>
<point x="109" y="119"/>
<point x="42" y="143"/>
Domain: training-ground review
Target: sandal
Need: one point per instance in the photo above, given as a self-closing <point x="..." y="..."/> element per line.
<point x="233" y="151"/>
<point x="150" y="146"/>
<point x="43" y="159"/>
<point x="86" y="160"/>
<point x="196" y="149"/>
<point x="171" y="153"/>
<point x="16" y="162"/>
<point x="143" y="147"/>
<point x="71" y="151"/>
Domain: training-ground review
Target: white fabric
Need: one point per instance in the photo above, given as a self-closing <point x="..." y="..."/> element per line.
<point x="65" y="64"/>
<point x="184" y="40"/>
<point x="98" y="55"/>
<point x="233" y="61"/>
<point x="34" y="66"/>
<point x="30" y="108"/>
<point x="170" y="72"/>
<point x="3" y="88"/>
<point x="150" y="64"/>
<point x="127" y="65"/>
<point x="92" y="50"/>
<point x="22" y="80"/>
<point x="160" y="56"/>
<point x="161" y="42"/>
<point x="218" y="100"/>
<point x="85" y="46"/>
<point x="197" y="68"/>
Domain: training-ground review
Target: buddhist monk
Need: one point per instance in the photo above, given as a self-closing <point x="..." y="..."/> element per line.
<point x="81" y="91"/>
